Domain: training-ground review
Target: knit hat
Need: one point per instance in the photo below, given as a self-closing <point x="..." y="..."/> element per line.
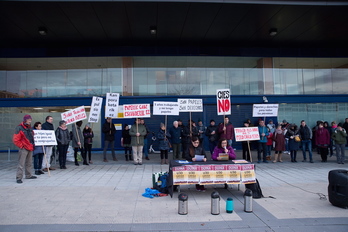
<point x="26" y="117"/>
<point x="284" y="121"/>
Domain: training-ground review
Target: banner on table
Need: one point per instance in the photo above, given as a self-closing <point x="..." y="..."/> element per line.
<point x="190" y="105"/>
<point x="246" y="133"/>
<point x="220" y="174"/>
<point x="265" y="110"/>
<point x="206" y="174"/>
<point x="165" y="108"/>
<point x="74" y="115"/>
<point x="95" y="109"/>
<point x="223" y="101"/>
<point x="233" y="174"/>
<point x="136" y="111"/>
<point x="44" y="137"/>
<point x="247" y="174"/>
<point x="180" y="175"/>
<point x="111" y="105"/>
<point x="193" y="174"/>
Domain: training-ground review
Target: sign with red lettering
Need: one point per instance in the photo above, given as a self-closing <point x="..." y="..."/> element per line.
<point x="223" y="101"/>
<point x="136" y="111"/>
<point x="246" y="133"/>
<point x="74" y="115"/>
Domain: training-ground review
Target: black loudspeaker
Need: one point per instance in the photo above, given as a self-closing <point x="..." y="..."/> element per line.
<point x="338" y="188"/>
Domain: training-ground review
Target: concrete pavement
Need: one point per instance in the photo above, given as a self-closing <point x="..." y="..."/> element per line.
<point x="108" y="197"/>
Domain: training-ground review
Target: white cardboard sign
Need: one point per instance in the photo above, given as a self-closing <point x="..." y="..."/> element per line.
<point x="246" y="133"/>
<point x="190" y="105"/>
<point x="95" y="109"/>
<point x="44" y="137"/>
<point x="74" y="115"/>
<point x="265" y="110"/>
<point x="136" y="111"/>
<point x="111" y="105"/>
<point x="223" y="101"/>
<point x="165" y="108"/>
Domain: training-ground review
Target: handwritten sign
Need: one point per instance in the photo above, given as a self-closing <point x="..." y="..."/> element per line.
<point x="223" y="101"/>
<point x="136" y="111"/>
<point x="95" y="109"/>
<point x="265" y="110"/>
<point x="190" y="105"/>
<point x="74" y="115"/>
<point x="111" y="105"/>
<point x="44" y="137"/>
<point x="246" y="133"/>
<point x="165" y="108"/>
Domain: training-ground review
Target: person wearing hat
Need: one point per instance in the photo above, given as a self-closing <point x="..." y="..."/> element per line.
<point x="23" y="138"/>
<point x="88" y="140"/>
<point x="339" y="136"/>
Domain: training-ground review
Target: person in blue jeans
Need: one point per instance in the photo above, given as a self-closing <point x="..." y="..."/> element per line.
<point x="262" y="147"/>
<point x="145" y="148"/>
<point x="306" y="136"/>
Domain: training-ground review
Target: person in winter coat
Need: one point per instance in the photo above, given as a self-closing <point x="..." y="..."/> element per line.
<point x="269" y="144"/>
<point x="189" y="132"/>
<point x="212" y="135"/>
<point x="262" y="147"/>
<point x="223" y="147"/>
<point x="126" y="142"/>
<point x="279" y="148"/>
<point x="109" y="131"/>
<point x="322" y="141"/>
<point x="294" y="144"/>
<point x="48" y="125"/>
<point x="88" y="141"/>
<point x="77" y="142"/>
<point x="176" y="133"/>
<point x="137" y="133"/>
<point x="339" y="136"/>
<point x="63" y="140"/>
<point x="226" y="131"/>
<point x="306" y="141"/>
<point x="38" y="153"/>
<point x="196" y="149"/>
<point x="23" y="138"/>
<point x="164" y="144"/>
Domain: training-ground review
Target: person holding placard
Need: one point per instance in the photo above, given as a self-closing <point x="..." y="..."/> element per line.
<point x="109" y="131"/>
<point x="246" y="145"/>
<point x="137" y="132"/>
<point x="145" y="147"/>
<point x="226" y="130"/>
<point x="223" y="151"/>
<point x="23" y="138"/>
<point x="196" y="153"/>
<point x="38" y="153"/>
<point x="77" y="142"/>
<point x="63" y="140"/>
<point x="88" y="140"/>
<point x="48" y="125"/>
<point x="164" y="144"/>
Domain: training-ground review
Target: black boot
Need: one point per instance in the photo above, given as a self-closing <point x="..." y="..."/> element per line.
<point x="295" y="157"/>
<point x="292" y="157"/>
<point x="126" y="157"/>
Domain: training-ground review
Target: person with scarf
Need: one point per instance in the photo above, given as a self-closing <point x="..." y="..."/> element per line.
<point x="23" y="138"/>
<point x="294" y="144"/>
<point x="63" y="140"/>
<point x="279" y="148"/>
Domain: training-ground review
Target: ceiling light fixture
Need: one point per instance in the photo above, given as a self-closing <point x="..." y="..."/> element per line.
<point x="153" y="30"/>
<point x="42" y="30"/>
<point x="273" y="31"/>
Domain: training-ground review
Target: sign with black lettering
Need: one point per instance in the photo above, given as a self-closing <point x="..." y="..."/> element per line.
<point x="223" y="102"/>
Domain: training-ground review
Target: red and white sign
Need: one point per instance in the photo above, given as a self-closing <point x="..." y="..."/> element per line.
<point x="74" y="115"/>
<point x="136" y="111"/>
<point x="248" y="174"/>
<point x="223" y="101"/>
<point x="246" y="133"/>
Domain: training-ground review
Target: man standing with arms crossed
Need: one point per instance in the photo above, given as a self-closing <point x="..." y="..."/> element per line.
<point x="46" y="164"/>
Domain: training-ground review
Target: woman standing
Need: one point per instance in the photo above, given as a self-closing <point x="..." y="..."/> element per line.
<point x="38" y="153"/>
<point x="279" y="139"/>
<point x="322" y="141"/>
<point x="126" y="142"/>
<point x="224" y="148"/>
<point x="293" y="134"/>
<point x="88" y="140"/>
<point x="63" y="139"/>
<point x="163" y="143"/>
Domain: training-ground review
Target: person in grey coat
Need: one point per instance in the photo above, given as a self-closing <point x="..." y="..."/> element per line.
<point x="63" y="140"/>
<point x="164" y="144"/>
<point x="137" y="132"/>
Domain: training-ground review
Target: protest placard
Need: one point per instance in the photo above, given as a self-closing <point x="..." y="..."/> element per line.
<point x="220" y="174"/>
<point x="248" y="174"/>
<point x="44" y="138"/>
<point x="136" y="111"/>
<point x="165" y="108"/>
<point x="223" y="102"/>
<point x="179" y="175"/>
<point x="265" y="110"/>
<point x="233" y="174"/>
<point x="111" y="105"/>
<point x="95" y="109"/>
<point x="74" y="115"/>
<point x="246" y="133"/>
<point x="207" y="174"/>
<point x="193" y="173"/>
<point x="190" y="105"/>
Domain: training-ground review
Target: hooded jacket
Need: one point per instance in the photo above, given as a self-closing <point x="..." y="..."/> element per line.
<point x="23" y="137"/>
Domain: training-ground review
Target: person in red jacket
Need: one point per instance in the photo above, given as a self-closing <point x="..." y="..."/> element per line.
<point x="226" y="131"/>
<point x="23" y="138"/>
<point x="322" y="141"/>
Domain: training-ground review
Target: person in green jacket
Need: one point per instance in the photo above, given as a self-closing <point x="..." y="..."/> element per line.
<point x="339" y="136"/>
<point x="137" y="132"/>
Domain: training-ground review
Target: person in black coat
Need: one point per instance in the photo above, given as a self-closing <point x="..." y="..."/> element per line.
<point x="109" y="131"/>
<point x="126" y="142"/>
